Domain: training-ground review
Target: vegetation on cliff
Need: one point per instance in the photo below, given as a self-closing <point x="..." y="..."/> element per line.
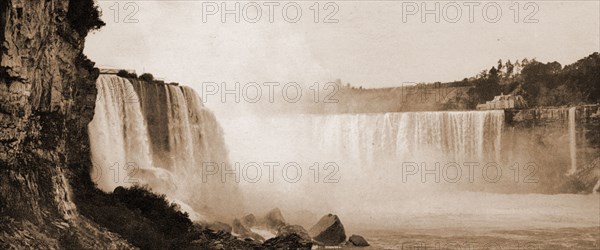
<point x="149" y="221"/>
<point x="84" y="16"/>
<point x="146" y="77"/>
<point x="145" y="219"/>
<point x="126" y="74"/>
<point x="541" y="84"/>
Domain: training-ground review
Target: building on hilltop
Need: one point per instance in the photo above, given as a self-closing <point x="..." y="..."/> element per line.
<point x="503" y="101"/>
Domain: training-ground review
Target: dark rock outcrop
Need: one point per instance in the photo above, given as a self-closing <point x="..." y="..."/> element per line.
<point x="542" y="135"/>
<point x="244" y="232"/>
<point x="358" y="241"/>
<point x="587" y="179"/>
<point x="47" y="98"/>
<point x="291" y="241"/>
<point x="249" y="220"/>
<point x="273" y="220"/>
<point x="208" y="239"/>
<point x="329" y="231"/>
<point x="293" y="229"/>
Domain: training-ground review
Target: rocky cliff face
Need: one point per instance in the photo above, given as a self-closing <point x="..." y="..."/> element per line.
<point x="47" y="96"/>
<point x="543" y="135"/>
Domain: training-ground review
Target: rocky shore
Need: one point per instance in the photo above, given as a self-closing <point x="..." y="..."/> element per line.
<point x="271" y="231"/>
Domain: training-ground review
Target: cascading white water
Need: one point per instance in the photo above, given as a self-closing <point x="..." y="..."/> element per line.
<point x="572" y="140"/>
<point x="64" y="195"/>
<point x="118" y="135"/>
<point x="363" y="138"/>
<point x="369" y="151"/>
<point x="454" y="135"/>
<point x="161" y="136"/>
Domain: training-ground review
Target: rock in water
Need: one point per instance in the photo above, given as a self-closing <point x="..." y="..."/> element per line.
<point x="358" y="241"/>
<point x="587" y="179"/>
<point x="239" y="228"/>
<point x="328" y="231"/>
<point x="249" y="220"/>
<point x="293" y="229"/>
<point x="274" y="220"/>
<point x="291" y="241"/>
<point x="245" y="233"/>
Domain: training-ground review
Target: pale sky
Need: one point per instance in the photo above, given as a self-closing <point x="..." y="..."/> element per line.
<point x="370" y="46"/>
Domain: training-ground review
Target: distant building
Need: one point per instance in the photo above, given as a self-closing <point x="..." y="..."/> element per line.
<point x="503" y="101"/>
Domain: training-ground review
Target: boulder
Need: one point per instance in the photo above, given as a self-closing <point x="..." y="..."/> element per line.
<point x="586" y="179"/>
<point x="249" y="221"/>
<point x="293" y="229"/>
<point x="329" y="231"/>
<point x="290" y="241"/>
<point x="244" y="232"/>
<point x="358" y="241"/>
<point x="273" y="220"/>
<point x="239" y="228"/>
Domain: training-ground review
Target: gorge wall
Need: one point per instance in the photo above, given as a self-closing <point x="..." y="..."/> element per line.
<point x="563" y="137"/>
<point x="47" y="94"/>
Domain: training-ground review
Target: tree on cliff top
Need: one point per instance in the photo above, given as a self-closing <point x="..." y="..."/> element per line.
<point x="147" y="77"/>
<point x="125" y="74"/>
<point x="84" y="16"/>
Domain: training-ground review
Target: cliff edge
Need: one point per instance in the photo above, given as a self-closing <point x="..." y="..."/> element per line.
<point x="47" y="97"/>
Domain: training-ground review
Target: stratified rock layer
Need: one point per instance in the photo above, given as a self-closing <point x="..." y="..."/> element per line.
<point x="47" y="96"/>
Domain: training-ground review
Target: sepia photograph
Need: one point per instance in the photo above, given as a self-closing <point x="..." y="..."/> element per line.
<point x="300" y="124"/>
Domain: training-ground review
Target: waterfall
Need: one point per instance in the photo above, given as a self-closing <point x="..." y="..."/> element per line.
<point x="118" y="135"/>
<point x="365" y="141"/>
<point x="364" y="138"/>
<point x="368" y="151"/>
<point x="456" y="136"/>
<point x="159" y="135"/>
<point x="572" y="140"/>
<point x="64" y="196"/>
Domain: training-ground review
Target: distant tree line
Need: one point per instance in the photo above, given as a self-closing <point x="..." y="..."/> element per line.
<point x="125" y="74"/>
<point x="146" y="77"/>
<point x="541" y="84"/>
